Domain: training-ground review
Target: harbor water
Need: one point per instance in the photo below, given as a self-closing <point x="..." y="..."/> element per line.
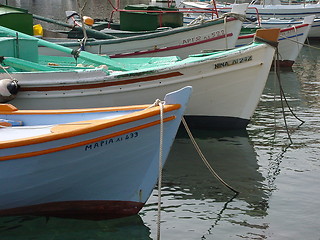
<point x="274" y="164"/>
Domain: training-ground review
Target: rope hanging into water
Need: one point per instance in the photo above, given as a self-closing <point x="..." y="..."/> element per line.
<point x="161" y="105"/>
<point x="204" y="158"/>
<point x="283" y="96"/>
<point x="160" y="170"/>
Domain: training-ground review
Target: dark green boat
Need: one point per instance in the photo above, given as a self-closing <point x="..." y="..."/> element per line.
<point x="16" y="18"/>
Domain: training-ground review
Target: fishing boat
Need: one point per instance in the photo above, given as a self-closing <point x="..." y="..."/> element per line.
<point x="291" y="41"/>
<point x="218" y="34"/>
<point x="266" y="15"/>
<point x="265" y="9"/>
<point x="227" y="85"/>
<point x="314" y="31"/>
<point x="275" y="9"/>
<point x="93" y="163"/>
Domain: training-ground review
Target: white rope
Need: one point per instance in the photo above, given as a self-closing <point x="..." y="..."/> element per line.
<point x="238" y="16"/>
<point x="85" y="36"/>
<point x="203" y="19"/>
<point x="160" y="169"/>
<point x="225" y="30"/>
<point x="156" y="103"/>
<point x="295" y="30"/>
<point x="4" y="69"/>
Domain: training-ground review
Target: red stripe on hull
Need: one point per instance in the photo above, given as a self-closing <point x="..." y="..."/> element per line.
<point x="91" y="210"/>
<point x="104" y="84"/>
<point x="119" y="55"/>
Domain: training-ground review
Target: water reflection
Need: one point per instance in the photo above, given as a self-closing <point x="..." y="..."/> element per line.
<point x="268" y="130"/>
<point x="190" y="192"/>
<point x="308" y="72"/>
<point x="41" y="228"/>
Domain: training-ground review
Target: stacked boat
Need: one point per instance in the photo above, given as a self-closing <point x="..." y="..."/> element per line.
<point x="85" y="135"/>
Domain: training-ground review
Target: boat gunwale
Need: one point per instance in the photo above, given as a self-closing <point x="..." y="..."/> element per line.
<point x="139" y="76"/>
<point x="77" y="128"/>
<point x="147" y="36"/>
<point x="250" y="35"/>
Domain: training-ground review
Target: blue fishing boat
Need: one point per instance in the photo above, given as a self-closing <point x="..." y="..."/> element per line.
<point x="95" y="163"/>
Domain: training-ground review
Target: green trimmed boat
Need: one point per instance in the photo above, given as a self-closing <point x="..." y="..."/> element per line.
<point x="227" y="85"/>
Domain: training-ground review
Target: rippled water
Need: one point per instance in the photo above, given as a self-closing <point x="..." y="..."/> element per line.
<point x="278" y="179"/>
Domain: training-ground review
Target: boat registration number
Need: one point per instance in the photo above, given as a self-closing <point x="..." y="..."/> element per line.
<point x="109" y="141"/>
<point x="203" y="37"/>
<point x="233" y="62"/>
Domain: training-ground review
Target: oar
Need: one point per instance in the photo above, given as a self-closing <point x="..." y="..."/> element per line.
<point x="94" y="58"/>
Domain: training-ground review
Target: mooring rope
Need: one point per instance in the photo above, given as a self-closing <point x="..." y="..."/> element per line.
<point x="303" y="44"/>
<point x="283" y="96"/>
<point x="241" y="17"/>
<point x="5" y="70"/>
<point x="204" y="158"/>
<point x="203" y="19"/>
<point x="83" y="41"/>
<point x="161" y="104"/>
<point x="225" y="30"/>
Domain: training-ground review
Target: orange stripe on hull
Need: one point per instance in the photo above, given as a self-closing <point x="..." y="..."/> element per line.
<point x="82" y="127"/>
<point x="78" y="144"/>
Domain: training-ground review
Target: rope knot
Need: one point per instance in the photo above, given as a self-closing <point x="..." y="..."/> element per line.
<point x="156" y="103"/>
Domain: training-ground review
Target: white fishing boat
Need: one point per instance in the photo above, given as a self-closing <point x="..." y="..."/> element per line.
<point x="291" y="41"/>
<point x="275" y="9"/>
<point x="314" y="31"/>
<point x="95" y="163"/>
<point x="266" y="15"/>
<point x="218" y="34"/>
<point x="227" y="85"/>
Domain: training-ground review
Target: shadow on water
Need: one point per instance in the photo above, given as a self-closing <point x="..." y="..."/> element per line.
<point x="42" y="228"/>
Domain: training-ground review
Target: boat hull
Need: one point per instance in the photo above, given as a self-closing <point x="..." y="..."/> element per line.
<point x="282" y="11"/>
<point x="291" y="41"/>
<point x="225" y="86"/>
<point x="182" y="42"/>
<point x="314" y="31"/>
<point x="105" y="172"/>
